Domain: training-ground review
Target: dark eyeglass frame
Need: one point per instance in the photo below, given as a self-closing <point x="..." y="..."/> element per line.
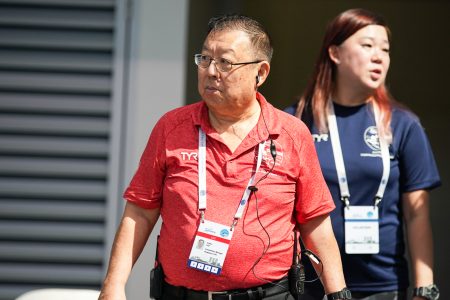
<point x="219" y="66"/>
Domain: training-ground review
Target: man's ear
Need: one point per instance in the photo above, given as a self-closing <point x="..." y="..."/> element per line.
<point x="263" y="72"/>
<point x="333" y="52"/>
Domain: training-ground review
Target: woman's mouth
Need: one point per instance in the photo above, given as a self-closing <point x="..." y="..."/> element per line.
<point x="375" y="74"/>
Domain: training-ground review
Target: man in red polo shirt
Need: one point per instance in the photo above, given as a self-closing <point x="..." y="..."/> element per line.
<point x="230" y="173"/>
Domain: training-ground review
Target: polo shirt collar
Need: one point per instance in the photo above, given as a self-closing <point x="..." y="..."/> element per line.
<point x="268" y="117"/>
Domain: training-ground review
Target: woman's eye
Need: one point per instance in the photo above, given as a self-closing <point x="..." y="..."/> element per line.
<point x="367" y="45"/>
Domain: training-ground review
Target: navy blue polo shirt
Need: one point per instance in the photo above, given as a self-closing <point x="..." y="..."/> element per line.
<point x="413" y="167"/>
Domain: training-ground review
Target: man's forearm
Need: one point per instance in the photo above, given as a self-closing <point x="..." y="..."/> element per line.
<point x="318" y="236"/>
<point x="131" y="237"/>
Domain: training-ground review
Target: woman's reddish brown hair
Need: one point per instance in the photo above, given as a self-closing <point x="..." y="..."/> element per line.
<point x="321" y="85"/>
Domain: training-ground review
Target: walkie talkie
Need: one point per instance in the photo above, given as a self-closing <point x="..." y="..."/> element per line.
<point x="296" y="274"/>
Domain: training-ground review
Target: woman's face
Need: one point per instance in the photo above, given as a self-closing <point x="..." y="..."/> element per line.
<point x="362" y="60"/>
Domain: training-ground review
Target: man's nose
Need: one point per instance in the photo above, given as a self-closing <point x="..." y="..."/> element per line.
<point x="212" y="68"/>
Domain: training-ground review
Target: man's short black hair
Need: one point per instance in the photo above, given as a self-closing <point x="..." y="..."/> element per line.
<point x="259" y="36"/>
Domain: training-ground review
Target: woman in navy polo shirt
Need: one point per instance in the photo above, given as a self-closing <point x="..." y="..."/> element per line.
<point x="376" y="159"/>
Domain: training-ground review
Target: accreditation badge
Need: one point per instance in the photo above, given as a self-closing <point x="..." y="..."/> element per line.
<point x="210" y="247"/>
<point x="361" y="230"/>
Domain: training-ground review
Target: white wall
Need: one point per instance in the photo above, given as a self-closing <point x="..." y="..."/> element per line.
<point x="157" y="78"/>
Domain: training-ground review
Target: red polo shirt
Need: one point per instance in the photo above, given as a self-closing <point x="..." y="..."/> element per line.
<point x="167" y="177"/>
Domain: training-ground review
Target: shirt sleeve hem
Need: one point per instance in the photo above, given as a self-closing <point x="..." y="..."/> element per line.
<point x="147" y="204"/>
<point x="323" y="211"/>
<point x="426" y="185"/>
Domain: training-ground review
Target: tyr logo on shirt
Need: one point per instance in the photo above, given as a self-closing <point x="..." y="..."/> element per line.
<point x="188" y="155"/>
<point x="320" y="137"/>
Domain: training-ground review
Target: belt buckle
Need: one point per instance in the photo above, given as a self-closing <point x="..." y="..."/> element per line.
<point x="211" y="294"/>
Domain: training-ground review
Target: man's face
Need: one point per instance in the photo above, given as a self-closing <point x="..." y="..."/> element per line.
<point x="236" y="88"/>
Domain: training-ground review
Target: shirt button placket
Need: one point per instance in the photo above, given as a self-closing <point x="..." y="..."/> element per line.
<point x="231" y="168"/>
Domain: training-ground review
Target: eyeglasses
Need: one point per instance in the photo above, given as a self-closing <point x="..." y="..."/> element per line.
<point x="222" y="64"/>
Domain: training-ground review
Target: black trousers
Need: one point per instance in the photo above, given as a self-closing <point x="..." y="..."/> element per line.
<point x="282" y="296"/>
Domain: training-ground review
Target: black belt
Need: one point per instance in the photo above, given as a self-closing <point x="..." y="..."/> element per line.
<point x="254" y="293"/>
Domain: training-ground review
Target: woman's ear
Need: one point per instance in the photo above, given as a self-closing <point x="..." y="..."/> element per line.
<point x="333" y="52"/>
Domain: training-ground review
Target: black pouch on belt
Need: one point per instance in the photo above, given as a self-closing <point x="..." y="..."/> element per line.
<point x="296" y="274"/>
<point x="156" y="278"/>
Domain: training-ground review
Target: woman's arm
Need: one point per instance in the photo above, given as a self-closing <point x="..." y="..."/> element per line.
<point x="420" y="239"/>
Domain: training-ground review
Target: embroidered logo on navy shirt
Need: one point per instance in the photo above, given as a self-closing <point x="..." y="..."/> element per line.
<point x="371" y="138"/>
<point x="372" y="141"/>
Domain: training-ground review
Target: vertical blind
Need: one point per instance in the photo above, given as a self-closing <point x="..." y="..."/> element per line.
<point x="56" y="70"/>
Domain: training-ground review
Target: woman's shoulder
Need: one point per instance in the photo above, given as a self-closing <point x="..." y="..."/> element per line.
<point x="289" y="120"/>
<point x="405" y="123"/>
<point x="404" y="115"/>
<point x="293" y="126"/>
<point x="291" y="109"/>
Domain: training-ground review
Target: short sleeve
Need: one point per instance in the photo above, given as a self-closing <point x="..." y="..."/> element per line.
<point x="313" y="196"/>
<point x="146" y="186"/>
<point x="418" y="168"/>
